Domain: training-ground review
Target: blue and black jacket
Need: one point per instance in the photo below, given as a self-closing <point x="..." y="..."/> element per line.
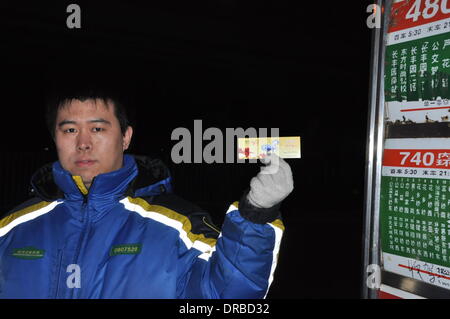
<point x="129" y="236"/>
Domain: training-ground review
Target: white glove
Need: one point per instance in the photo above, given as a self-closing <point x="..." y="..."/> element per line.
<point x="273" y="183"/>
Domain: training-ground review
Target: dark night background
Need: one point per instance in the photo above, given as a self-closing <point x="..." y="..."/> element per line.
<point x="302" y="68"/>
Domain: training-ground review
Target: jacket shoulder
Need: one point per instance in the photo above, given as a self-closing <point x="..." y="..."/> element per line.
<point x="178" y="208"/>
<point x="24" y="212"/>
<point x="27" y="203"/>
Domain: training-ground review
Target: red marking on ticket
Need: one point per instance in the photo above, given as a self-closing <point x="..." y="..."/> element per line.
<point x="259" y="147"/>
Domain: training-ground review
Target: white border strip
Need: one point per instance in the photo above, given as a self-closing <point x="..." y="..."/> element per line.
<point x="399" y="293"/>
<point x="416" y="111"/>
<point x="424" y="32"/>
<point x="27" y="217"/>
<point x="429" y="274"/>
<point x="431" y="143"/>
<point x="199" y="245"/>
<point x="231" y="208"/>
<point x="416" y="172"/>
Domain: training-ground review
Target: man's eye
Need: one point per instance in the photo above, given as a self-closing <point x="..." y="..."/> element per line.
<point x="69" y="130"/>
<point x="97" y="129"/>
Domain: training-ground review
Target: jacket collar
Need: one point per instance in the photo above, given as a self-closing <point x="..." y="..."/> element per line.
<point x="140" y="176"/>
<point x="104" y="186"/>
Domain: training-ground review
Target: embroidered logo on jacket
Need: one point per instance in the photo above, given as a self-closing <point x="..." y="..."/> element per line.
<point x="125" y="249"/>
<point x="28" y="253"/>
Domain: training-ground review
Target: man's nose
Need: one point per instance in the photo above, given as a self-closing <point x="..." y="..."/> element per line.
<point x="84" y="142"/>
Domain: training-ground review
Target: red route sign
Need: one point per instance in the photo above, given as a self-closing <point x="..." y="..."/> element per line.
<point x="433" y="158"/>
<point x="412" y="13"/>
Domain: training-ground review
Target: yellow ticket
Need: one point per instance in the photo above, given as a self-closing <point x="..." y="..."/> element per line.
<point x="258" y="147"/>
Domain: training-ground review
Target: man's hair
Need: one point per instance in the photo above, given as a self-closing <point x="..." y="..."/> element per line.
<point x="60" y="95"/>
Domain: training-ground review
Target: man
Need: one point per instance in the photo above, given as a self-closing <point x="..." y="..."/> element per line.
<point x="106" y="225"/>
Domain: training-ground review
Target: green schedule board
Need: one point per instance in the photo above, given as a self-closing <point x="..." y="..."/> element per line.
<point x="418" y="69"/>
<point x="415" y="219"/>
<point x="415" y="209"/>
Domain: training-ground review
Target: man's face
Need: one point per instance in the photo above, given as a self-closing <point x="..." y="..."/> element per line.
<point x="89" y="140"/>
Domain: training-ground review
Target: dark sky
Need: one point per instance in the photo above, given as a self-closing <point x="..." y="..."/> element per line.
<point x="302" y="68"/>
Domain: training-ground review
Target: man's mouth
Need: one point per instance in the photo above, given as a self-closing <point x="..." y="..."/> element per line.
<point x="84" y="163"/>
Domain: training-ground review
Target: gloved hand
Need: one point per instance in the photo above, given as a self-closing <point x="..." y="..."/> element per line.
<point x="273" y="183"/>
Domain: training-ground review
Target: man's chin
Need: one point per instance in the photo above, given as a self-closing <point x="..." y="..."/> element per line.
<point x="87" y="181"/>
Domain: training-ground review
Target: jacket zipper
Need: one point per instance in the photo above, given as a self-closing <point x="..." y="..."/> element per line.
<point x="83" y="236"/>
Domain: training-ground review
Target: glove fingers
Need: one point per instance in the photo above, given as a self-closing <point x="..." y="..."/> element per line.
<point x="282" y="179"/>
<point x="285" y="176"/>
<point x="256" y="185"/>
<point x="276" y="166"/>
<point x="268" y="187"/>
<point x="272" y="184"/>
<point x="272" y="163"/>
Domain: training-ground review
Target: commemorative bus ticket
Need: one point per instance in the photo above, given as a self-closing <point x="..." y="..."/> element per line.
<point x="259" y="147"/>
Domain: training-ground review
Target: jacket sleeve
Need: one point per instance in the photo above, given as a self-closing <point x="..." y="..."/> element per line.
<point x="242" y="262"/>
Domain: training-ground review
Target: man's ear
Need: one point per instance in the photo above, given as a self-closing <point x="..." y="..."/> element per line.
<point x="127" y="138"/>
